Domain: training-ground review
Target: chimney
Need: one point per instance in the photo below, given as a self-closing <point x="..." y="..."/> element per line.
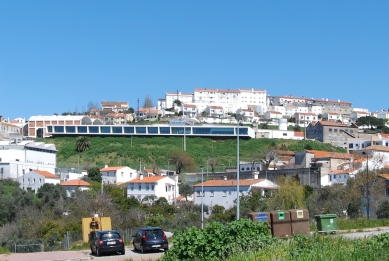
<point x="255" y="176"/>
<point x="141" y="176"/>
<point x="225" y="178"/>
<point x="105" y="166"/>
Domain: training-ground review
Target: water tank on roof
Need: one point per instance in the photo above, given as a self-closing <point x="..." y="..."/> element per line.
<point x="282" y="124"/>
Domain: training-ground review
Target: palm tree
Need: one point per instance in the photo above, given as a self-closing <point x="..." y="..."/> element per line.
<point x="82" y="143"/>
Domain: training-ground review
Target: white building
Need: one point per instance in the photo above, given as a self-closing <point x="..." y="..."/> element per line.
<point x="383" y="115"/>
<point x="158" y="186"/>
<point x="171" y="97"/>
<point x="18" y="159"/>
<point x="71" y="186"/>
<point x="36" y="178"/>
<point x="230" y="100"/>
<point x="117" y="175"/>
<point x="224" y="192"/>
<point x="304" y="118"/>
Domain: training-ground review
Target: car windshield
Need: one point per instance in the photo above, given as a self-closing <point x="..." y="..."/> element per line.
<point x="156" y="232"/>
<point x="110" y="236"/>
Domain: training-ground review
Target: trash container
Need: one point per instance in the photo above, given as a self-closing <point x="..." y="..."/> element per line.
<point x="280" y="224"/>
<point x="326" y="223"/>
<point x="261" y="217"/>
<point x="299" y="221"/>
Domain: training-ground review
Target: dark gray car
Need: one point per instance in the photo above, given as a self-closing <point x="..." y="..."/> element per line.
<point x="106" y="241"/>
<point x="150" y="238"/>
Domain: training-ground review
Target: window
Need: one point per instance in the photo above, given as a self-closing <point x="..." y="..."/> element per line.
<point x="147" y="187"/>
<point x="139" y="187"/>
<point x="240" y="192"/>
<point x="132" y="188"/>
<point x="211" y="193"/>
<point x="330" y="129"/>
<point x="198" y="193"/>
<point x="152" y="187"/>
<point x="335" y="130"/>
<point x="224" y="193"/>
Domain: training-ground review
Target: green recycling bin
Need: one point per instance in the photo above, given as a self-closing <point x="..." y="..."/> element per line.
<point x="326" y="223"/>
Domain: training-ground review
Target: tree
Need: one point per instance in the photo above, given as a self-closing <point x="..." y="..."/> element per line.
<point x="185" y="190"/>
<point x="148" y="103"/>
<point x="213" y="162"/>
<point x="131" y="110"/>
<point x="82" y="143"/>
<point x="92" y="105"/>
<point x="50" y="194"/>
<point x="94" y="174"/>
<point x="182" y="160"/>
<point x="289" y="195"/>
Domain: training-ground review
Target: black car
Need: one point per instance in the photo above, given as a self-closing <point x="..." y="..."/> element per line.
<point x="106" y="241"/>
<point x="150" y="238"/>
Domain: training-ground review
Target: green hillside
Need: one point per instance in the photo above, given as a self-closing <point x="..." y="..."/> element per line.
<point x="154" y="151"/>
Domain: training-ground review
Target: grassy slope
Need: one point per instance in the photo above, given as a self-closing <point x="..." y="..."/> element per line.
<point x="151" y="151"/>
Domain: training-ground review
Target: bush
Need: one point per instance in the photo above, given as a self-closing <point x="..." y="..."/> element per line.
<point x="218" y="241"/>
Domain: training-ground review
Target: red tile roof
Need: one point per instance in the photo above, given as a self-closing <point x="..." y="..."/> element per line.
<point x="75" y="182"/>
<point x="46" y="174"/>
<point x="112" y="168"/>
<point x="147" y="179"/>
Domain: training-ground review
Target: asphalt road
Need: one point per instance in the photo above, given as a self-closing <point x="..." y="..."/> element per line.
<point x="82" y="255"/>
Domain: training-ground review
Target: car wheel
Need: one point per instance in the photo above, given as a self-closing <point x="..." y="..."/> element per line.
<point x="142" y="249"/>
<point x="133" y="244"/>
<point x="91" y="250"/>
<point x="166" y="249"/>
<point x="123" y="252"/>
<point x="98" y="252"/>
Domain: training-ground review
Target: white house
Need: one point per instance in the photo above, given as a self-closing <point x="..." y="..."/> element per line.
<point x="72" y="186"/>
<point x="224" y="192"/>
<point x="215" y="111"/>
<point x="158" y="186"/>
<point x="383" y="115"/>
<point x="247" y="114"/>
<point x="119" y="174"/>
<point x="272" y="115"/>
<point x="337" y="177"/>
<point x="304" y="118"/>
<point x="189" y="110"/>
<point x="332" y="116"/>
<point x="20" y="158"/>
<point x="357" y="114"/>
<point x="35" y="179"/>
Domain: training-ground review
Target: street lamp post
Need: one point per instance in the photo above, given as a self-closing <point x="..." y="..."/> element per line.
<point x="367" y="185"/>
<point x="237" y="172"/>
<point x="202" y="197"/>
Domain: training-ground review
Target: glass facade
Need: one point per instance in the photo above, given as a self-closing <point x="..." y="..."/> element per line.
<point x="164" y="130"/>
<point x="141" y="130"/>
<point x="82" y="129"/>
<point x="59" y="129"/>
<point x="128" y="129"/>
<point x="93" y="129"/>
<point x="117" y="130"/>
<point x="70" y="129"/>
<point x="105" y="129"/>
<point x="153" y="130"/>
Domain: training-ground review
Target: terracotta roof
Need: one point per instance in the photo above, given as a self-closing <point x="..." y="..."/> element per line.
<point x="275" y="112"/>
<point x="285" y="152"/>
<point x="147" y="179"/>
<point x="189" y="105"/>
<point x="342" y="171"/>
<point x="46" y="174"/>
<point x="327" y="154"/>
<point x="306" y="113"/>
<point x="331" y="123"/>
<point x="228" y="182"/>
<point x="299" y="134"/>
<point x="384" y="176"/>
<point x="75" y="182"/>
<point x="377" y="148"/>
<point x="215" y="107"/>
<point x="115" y="115"/>
<point x="112" y="168"/>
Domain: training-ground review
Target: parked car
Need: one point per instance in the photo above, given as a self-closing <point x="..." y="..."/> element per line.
<point x="150" y="238"/>
<point x="106" y="241"/>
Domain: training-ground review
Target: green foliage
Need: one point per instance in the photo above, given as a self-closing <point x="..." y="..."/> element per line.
<point x="82" y="143"/>
<point x="50" y="194"/>
<point x="94" y="174"/>
<point x="218" y="241"/>
<point x="185" y="190"/>
<point x="289" y="195"/>
<point x="383" y="210"/>
<point x="152" y="151"/>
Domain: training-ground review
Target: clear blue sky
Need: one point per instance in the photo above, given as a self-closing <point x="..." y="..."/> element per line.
<point x="56" y="56"/>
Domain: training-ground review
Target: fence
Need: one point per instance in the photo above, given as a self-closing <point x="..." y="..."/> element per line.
<point x="29" y="248"/>
<point x="69" y="239"/>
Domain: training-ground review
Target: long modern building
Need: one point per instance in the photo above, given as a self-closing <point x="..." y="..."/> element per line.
<point x="150" y="130"/>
